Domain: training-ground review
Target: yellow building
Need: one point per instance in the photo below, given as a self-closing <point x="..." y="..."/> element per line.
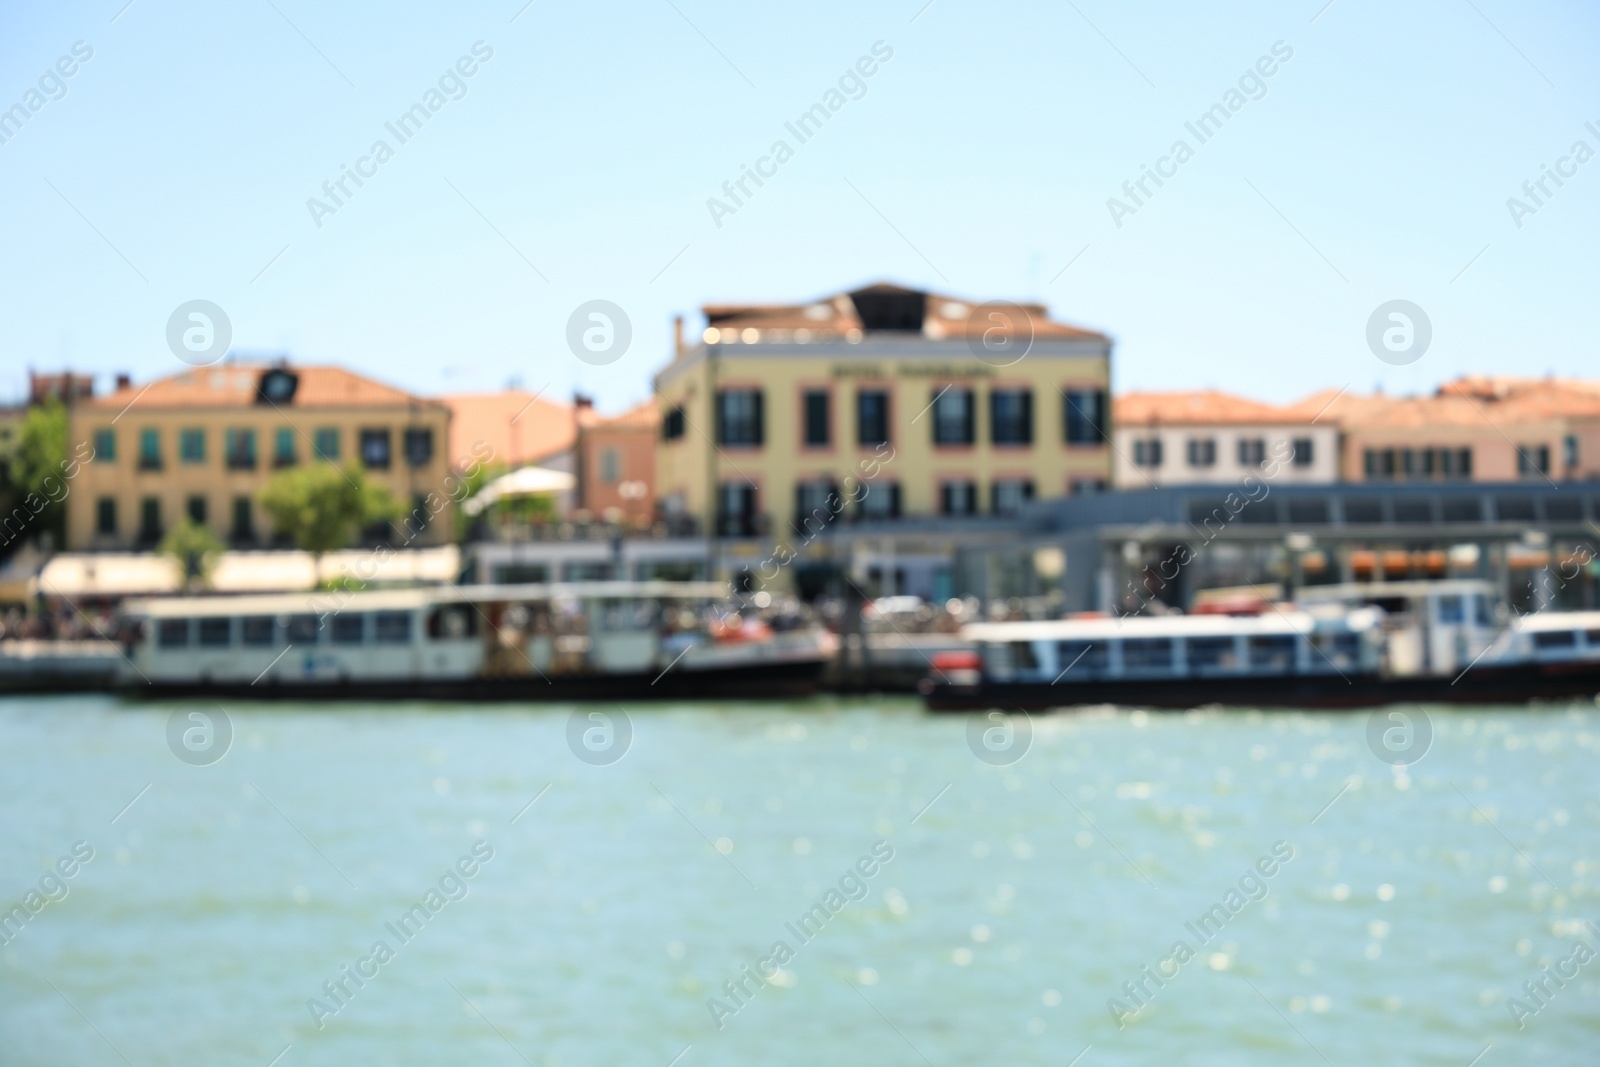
<point x="881" y="404"/>
<point x="204" y="443"/>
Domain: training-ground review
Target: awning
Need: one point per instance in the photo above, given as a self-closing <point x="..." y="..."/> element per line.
<point x="525" y="481"/>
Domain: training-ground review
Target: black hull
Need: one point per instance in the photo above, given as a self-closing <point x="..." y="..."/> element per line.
<point x="764" y="682"/>
<point x="1479" y="685"/>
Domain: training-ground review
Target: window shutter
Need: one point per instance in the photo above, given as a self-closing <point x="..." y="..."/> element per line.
<point x="1027" y="416"/>
<point x="759" y="407"/>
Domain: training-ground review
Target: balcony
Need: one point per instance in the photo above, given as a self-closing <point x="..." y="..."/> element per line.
<point x="744" y="524"/>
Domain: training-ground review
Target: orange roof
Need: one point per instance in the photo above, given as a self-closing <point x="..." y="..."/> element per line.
<point x="234" y="384"/>
<point x="520" y="426"/>
<point x="644" y="416"/>
<point x="1206" y="407"/>
<point x="1469" y="402"/>
<point x="881" y="307"/>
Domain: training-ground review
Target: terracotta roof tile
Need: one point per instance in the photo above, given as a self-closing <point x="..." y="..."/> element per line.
<point x="521" y="427"/>
<point x="228" y="385"/>
<point x="1206" y="407"/>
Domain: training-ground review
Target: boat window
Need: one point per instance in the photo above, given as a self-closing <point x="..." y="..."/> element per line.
<point x="172" y="633"/>
<point x="1023" y="657"/>
<point x="1556" y="639"/>
<point x="1274" y="652"/>
<point x="1451" y="609"/>
<point x="1593" y="637"/>
<point x="1210" y="653"/>
<point x="393" y="627"/>
<point x="1147" y="654"/>
<point x="1342" y="649"/>
<point x="303" y="629"/>
<point x="216" y="633"/>
<point x="348" y="628"/>
<point x="255" y="631"/>
<point x="452" y="621"/>
<point x="1483" y="613"/>
<point x="1081" y="656"/>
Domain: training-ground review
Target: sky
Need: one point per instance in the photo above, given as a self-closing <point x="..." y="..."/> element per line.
<point x="577" y="162"/>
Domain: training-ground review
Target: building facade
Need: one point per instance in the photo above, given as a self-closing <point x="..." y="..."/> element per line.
<point x="204" y="443"/>
<point x="616" y="464"/>
<point x="878" y="405"/>
<point x="1212" y="438"/>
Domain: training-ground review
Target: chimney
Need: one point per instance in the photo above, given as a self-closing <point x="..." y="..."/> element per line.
<point x="124" y="381"/>
<point x="677" y="336"/>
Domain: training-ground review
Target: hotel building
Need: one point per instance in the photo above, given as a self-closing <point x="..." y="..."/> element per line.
<point x="1212" y="438"/>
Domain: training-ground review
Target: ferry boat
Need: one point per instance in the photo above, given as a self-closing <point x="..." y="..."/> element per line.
<point x="582" y="641"/>
<point x="1337" y="646"/>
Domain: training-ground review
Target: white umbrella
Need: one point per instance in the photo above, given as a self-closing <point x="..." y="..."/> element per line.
<point x="526" y="481"/>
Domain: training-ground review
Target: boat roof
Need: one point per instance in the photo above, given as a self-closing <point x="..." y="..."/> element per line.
<point x="422" y="596"/>
<point x="1545" y="621"/>
<point x="1277" y="622"/>
<point x="1389" y="590"/>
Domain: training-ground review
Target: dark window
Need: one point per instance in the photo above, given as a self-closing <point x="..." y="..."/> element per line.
<point x="1011" y="416"/>
<point x="239" y="447"/>
<point x="392" y="627"/>
<point x="816" y="504"/>
<point x="325" y="442"/>
<point x="673" y="424"/>
<point x="105" y="516"/>
<point x="1303" y="453"/>
<point x="736" y="510"/>
<point x="1592" y="637"/>
<point x="197" y="510"/>
<point x="1569" y="451"/>
<point x="1413" y="511"/>
<point x="105" y="446"/>
<point x="150" y="520"/>
<point x="1261" y="510"/>
<point x="1202" y="452"/>
<point x="149" y="450"/>
<point x="172" y="633"/>
<point x="882" y="500"/>
<point x="375" y="449"/>
<point x="283" y="451"/>
<point x="302" y="629"/>
<point x="1452" y="610"/>
<point x="1147" y="654"/>
<point x="1008" y="495"/>
<point x="819" y="418"/>
<point x="1147" y="452"/>
<point x="872" y="417"/>
<point x="1563" y="509"/>
<point x="419" y="446"/>
<point x="740" y="418"/>
<point x="1023" y="657"/>
<point x="958" y="498"/>
<point x="1313" y="510"/>
<point x="348" y="629"/>
<point x="953" y="421"/>
<point x="216" y="633"/>
<point x="243" y="519"/>
<point x="1081" y="657"/>
<point x="192" y="446"/>
<point x="1556" y="639"/>
<point x="1252" y="451"/>
<point x="1380" y="463"/>
<point x="1513" y="508"/>
<point x="1533" y="460"/>
<point x="1212" y="653"/>
<point x="1083" y="413"/>
<point x="1363" y="509"/>
<point x="255" y="631"/>
<point x="1272" y="652"/>
<point x="1469" y="509"/>
<point x="452" y="622"/>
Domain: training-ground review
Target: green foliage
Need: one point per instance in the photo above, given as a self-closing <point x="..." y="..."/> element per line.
<point x="195" y="548"/>
<point x="38" y="467"/>
<point x="323" y="507"/>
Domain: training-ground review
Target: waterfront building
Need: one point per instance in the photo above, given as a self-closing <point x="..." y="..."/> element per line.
<point x="615" y="463"/>
<point x="204" y="443"/>
<point x="1209" y="437"/>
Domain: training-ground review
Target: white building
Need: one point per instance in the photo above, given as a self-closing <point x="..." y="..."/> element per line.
<point x="1208" y="437"/>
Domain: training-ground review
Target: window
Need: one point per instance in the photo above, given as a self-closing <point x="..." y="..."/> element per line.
<point x="1211" y="654"/>
<point x="872" y="417"/>
<point x="196" y="510"/>
<point x="1303" y="453"/>
<point x="1202" y="452"/>
<point x="1380" y="463"/>
<point x="302" y="629"/>
<point x="192" y="446"/>
<point x="1252" y="451"/>
<point x="818" y="418"/>
<point x="1082" y="657"/>
<point x="1556" y="639"/>
<point x="736" y="510"/>
<point x="348" y="628"/>
<point x="882" y="500"/>
<point x="105" y="446"/>
<point x="375" y="449"/>
<point x="255" y="631"/>
<point x="1080" y="486"/>
<point x="672" y="425"/>
<point x="149" y="450"/>
<point x="1147" y="452"/>
<point x="283" y="451"/>
<point x="419" y="446"/>
<point x="953" y="422"/>
<point x="244" y="528"/>
<point x="1533" y="460"/>
<point x="816" y="504"/>
<point x="1569" y="451"/>
<point x="740" y="418"/>
<point x="1147" y="654"/>
<point x="392" y="627"/>
<point x="1084" y="416"/>
<point x="325" y="442"/>
<point x="1009" y="494"/>
<point x="610" y="465"/>
<point x="958" y="498"/>
<point x="1011" y="416"/>
<point x="1451" y="610"/>
<point x="105" y="516"/>
<point x="150" y="520"/>
<point x="240" y="446"/>
<point x="172" y="633"/>
<point x="216" y="633"/>
<point x="1274" y="653"/>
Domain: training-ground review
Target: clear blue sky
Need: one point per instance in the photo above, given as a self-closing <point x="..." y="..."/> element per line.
<point x="979" y="161"/>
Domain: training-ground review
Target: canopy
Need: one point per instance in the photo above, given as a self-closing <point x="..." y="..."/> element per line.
<point x="525" y="481"/>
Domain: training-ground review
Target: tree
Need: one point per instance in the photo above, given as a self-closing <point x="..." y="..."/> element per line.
<point x="196" y="550"/>
<point x="323" y="507"/>
<point x="38" y="468"/>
